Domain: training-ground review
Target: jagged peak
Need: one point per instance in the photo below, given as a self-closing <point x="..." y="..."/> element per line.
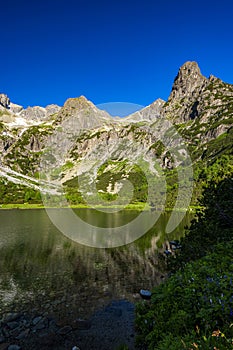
<point x="187" y="80"/>
<point x="149" y="113"/>
<point x="189" y="67"/>
<point x="157" y="102"/>
<point x="4" y="100"/>
<point x="189" y="71"/>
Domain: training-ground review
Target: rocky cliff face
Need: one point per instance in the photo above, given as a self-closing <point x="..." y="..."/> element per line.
<point x="195" y="97"/>
<point x="200" y="108"/>
<point x="188" y="83"/>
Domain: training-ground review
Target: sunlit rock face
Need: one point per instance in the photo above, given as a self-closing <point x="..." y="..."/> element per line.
<point x="187" y="82"/>
<point x="194" y="96"/>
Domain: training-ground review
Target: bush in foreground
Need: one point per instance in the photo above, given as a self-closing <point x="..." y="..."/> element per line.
<point x="194" y="306"/>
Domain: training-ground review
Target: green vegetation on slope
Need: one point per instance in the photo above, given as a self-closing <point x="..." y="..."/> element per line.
<point x="17" y="194"/>
<point x="24" y="154"/>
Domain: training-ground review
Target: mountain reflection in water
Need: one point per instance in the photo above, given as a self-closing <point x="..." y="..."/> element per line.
<point x="40" y="266"/>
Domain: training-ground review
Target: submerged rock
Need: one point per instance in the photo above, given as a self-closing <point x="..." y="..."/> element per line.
<point x="23" y="334"/>
<point x="14" y="347"/>
<point x="64" y="330"/>
<point x="11" y="316"/>
<point x="36" y="320"/>
<point x="81" y="324"/>
<point x="13" y="324"/>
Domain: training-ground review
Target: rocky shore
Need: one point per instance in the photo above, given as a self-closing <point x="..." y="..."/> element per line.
<point x="109" y="327"/>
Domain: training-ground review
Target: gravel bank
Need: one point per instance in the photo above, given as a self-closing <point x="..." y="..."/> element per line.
<point x="107" y="329"/>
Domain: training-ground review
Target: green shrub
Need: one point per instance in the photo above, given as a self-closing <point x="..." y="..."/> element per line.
<point x="193" y="309"/>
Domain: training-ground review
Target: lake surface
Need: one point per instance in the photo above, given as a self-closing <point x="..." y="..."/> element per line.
<point x="41" y="268"/>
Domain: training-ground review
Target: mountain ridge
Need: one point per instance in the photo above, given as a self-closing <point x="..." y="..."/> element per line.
<point x="199" y="108"/>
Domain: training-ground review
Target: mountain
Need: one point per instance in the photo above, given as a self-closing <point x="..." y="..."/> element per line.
<point x="201" y="100"/>
<point x="96" y="156"/>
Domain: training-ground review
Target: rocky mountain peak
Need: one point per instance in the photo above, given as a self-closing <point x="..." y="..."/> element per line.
<point x="6" y="104"/>
<point x="77" y="103"/>
<point x="159" y="102"/>
<point x="4" y="101"/>
<point x="187" y="80"/>
<point x="187" y="88"/>
<point x="189" y="68"/>
<point x="83" y="113"/>
<point x="78" y="107"/>
<point x="149" y="113"/>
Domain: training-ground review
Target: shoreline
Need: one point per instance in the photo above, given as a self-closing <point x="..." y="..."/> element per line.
<point x="136" y="206"/>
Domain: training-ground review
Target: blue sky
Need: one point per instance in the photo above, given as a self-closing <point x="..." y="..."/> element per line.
<point x="109" y="51"/>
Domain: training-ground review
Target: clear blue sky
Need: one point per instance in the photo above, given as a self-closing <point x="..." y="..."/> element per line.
<point x="109" y="51"/>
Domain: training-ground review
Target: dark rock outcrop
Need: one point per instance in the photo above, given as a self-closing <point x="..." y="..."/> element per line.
<point x="4" y="101"/>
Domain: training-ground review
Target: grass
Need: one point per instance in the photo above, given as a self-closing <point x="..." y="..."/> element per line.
<point x="21" y="206"/>
<point x="136" y="206"/>
<point x="132" y="206"/>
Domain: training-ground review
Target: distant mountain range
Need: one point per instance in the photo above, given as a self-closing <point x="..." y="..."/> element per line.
<point x="64" y="144"/>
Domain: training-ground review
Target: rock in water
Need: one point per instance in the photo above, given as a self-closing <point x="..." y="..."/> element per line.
<point x="36" y="320"/>
<point x="81" y="324"/>
<point x="64" y="330"/>
<point x="14" y="347"/>
<point x="9" y="317"/>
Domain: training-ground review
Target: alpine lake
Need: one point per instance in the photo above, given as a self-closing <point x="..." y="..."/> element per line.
<point x="44" y="271"/>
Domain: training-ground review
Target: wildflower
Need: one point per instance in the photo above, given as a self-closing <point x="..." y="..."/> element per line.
<point x="216" y="333"/>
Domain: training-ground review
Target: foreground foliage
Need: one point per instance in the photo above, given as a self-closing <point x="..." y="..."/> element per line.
<point x="193" y="309"/>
